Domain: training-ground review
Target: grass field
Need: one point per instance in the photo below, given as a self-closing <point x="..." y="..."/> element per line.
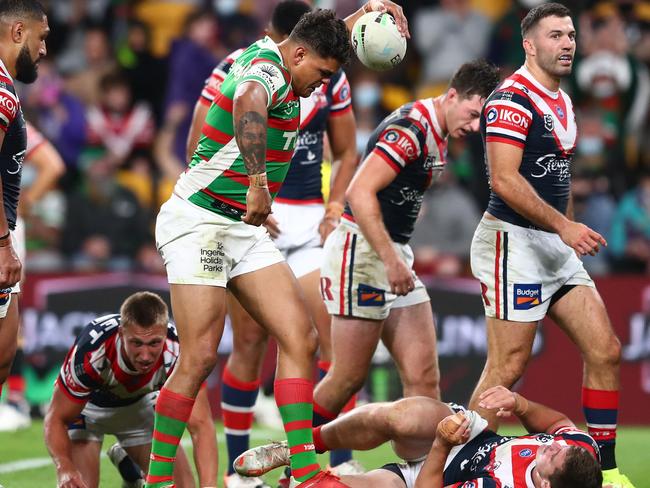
<point x="24" y="462"/>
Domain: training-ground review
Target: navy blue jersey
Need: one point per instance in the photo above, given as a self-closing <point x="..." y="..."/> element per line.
<point x="494" y="461"/>
<point x="524" y="113"/>
<point x="412" y="143"/>
<point x="303" y="183"/>
<point x="14" y="146"/>
<point x="94" y="369"/>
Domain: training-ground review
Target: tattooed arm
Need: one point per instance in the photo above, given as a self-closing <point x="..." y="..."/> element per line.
<point x="250" y="124"/>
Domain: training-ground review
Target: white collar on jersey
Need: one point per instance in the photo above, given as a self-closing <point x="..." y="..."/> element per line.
<point x="4" y="70"/>
<point x="523" y="71"/>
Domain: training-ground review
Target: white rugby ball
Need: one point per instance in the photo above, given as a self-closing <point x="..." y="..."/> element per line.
<point x="377" y="42"/>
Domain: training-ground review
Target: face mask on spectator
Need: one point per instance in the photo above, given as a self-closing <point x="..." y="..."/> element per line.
<point x="227" y="7"/>
<point x="590" y="146"/>
<point x="362" y="139"/>
<point x="366" y="95"/>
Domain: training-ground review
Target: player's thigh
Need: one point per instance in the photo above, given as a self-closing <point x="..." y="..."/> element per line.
<point x="581" y="313"/>
<point x="354" y="341"/>
<point x="509" y="343"/>
<point x="9" y="332"/>
<point x="85" y="455"/>
<point x="410" y="336"/>
<point x="373" y="479"/>
<point x="199" y="312"/>
<point x="271" y="296"/>
<point x="310" y="285"/>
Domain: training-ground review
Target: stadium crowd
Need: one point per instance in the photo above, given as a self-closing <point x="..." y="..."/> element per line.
<point x="116" y="91"/>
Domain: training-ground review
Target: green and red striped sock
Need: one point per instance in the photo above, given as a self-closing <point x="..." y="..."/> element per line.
<point x="294" y="399"/>
<point x="172" y="412"/>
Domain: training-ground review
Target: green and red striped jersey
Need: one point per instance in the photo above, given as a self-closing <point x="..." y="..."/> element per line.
<point x="216" y="178"/>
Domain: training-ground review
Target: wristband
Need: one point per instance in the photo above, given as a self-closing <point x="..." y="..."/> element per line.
<point x="6" y="236"/>
<point x="258" y="181"/>
<point x="334" y="210"/>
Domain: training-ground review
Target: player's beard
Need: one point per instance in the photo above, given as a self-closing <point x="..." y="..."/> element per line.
<point x="26" y="68"/>
<point x="549" y="63"/>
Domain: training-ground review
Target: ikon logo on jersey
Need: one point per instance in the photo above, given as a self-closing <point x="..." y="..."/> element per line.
<point x="369" y="296"/>
<point x="527" y="296"/>
<point x="507" y="116"/>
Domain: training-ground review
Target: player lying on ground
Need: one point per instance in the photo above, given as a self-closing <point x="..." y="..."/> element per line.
<point x="443" y="448"/>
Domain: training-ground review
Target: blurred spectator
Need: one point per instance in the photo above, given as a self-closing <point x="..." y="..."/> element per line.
<point x="594" y="206"/>
<point x="447" y="36"/>
<point x="105" y="226"/>
<point x="629" y="242"/>
<point x="58" y="114"/>
<point x="139" y="175"/>
<point x="147" y="74"/>
<point x="367" y="94"/>
<point x="609" y="79"/>
<point x="190" y="63"/>
<point x="98" y="61"/>
<point x="444" y="230"/>
<point x="117" y="126"/>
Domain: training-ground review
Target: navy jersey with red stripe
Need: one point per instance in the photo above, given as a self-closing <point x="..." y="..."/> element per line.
<point x="303" y="183"/>
<point x="12" y="153"/>
<point x="412" y="143"/>
<point x="523" y="113"/>
<point x="94" y="369"/>
<point x="494" y="461"/>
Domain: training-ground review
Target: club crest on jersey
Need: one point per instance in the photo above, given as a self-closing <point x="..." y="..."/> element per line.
<point x="525" y="453"/>
<point x="369" y="296"/>
<point x="391" y="136"/>
<point x="491" y="115"/>
<point x="559" y="111"/>
<point x="548" y="122"/>
<point x="527" y="296"/>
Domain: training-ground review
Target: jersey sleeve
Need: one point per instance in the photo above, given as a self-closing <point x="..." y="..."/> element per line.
<point x="271" y="76"/>
<point x="341" y="95"/>
<point x="400" y="143"/>
<point x="9" y="105"/>
<point x="216" y="78"/>
<point x="508" y="117"/>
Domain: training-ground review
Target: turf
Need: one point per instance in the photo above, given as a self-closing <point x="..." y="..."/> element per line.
<point x="27" y="445"/>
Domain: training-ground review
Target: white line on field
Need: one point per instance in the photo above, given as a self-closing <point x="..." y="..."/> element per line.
<point x="41" y="462"/>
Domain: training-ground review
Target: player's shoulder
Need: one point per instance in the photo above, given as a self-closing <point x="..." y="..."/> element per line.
<point x="172" y="334"/>
<point x="97" y="332"/>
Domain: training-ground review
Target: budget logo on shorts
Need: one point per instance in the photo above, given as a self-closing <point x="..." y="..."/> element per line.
<point x="369" y="296"/>
<point x="5" y="295"/>
<point x="527" y="296"/>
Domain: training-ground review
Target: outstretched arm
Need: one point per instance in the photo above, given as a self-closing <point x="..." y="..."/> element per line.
<point x="534" y="416"/>
<point x="60" y="413"/>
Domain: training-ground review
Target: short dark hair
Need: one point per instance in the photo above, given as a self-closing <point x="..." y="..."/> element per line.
<point x="287" y="14"/>
<point x="325" y="34"/>
<point x="475" y="78"/>
<point x="145" y="309"/>
<point x="580" y="468"/>
<point x="541" y="12"/>
<point x="30" y="9"/>
<point x="113" y="79"/>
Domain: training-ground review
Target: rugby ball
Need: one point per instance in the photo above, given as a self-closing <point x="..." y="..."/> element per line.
<point x="377" y="42"/>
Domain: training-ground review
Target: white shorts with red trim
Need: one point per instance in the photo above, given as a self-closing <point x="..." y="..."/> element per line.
<point x="520" y="269"/>
<point x="299" y="240"/>
<point x="18" y="243"/>
<point x="353" y="277"/>
<point x="132" y="424"/>
<point x="200" y="247"/>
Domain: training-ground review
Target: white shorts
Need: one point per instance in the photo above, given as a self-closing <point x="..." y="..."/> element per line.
<point x="200" y="247"/>
<point x="353" y="278"/>
<point x="520" y="269"/>
<point x="132" y="425"/>
<point x="18" y="243"/>
<point x="411" y="469"/>
<point x="299" y="240"/>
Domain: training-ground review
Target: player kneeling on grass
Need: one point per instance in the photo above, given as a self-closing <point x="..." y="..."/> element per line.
<point x="108" y="384"/>
<point x="443" y="448"/>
